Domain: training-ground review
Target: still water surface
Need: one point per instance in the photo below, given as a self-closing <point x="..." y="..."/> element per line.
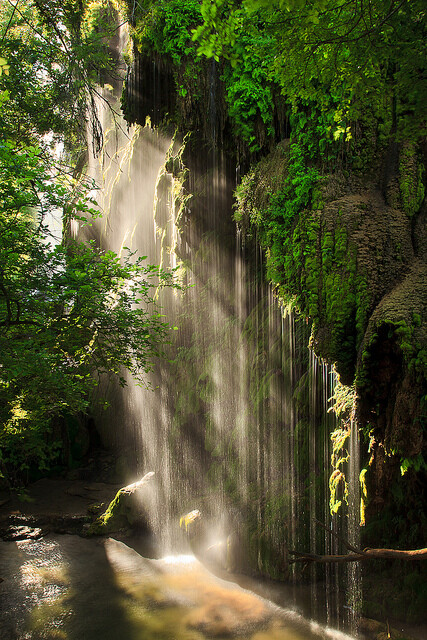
<point x="71" y="588"/>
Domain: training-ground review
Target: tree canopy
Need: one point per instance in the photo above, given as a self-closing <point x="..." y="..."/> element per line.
<point x="346" y="53"/>
<point x="343" y="63"/>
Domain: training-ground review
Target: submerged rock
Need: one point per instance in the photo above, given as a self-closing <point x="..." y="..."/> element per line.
<point x="32" y="527"/>
<point x="228" y="553"/>
<point x="206" y="603"/>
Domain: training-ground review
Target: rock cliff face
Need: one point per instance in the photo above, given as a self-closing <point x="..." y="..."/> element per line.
<point x="360" y="272"/>
<point x="390" y="337"/>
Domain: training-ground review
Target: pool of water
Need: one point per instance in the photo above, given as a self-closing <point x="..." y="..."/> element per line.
<point x="71" y="588"/>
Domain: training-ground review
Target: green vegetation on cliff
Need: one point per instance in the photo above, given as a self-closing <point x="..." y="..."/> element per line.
<point x="333" y="53"/>
<point x="339" y="62"/>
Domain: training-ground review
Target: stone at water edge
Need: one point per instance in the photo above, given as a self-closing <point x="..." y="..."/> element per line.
<point x="22" y="532"/>
<point x="229" y="553"/>
<point x="126" y="510"/>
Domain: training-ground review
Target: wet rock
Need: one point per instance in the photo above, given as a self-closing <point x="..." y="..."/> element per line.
<point x="94" y="486"/>
<point x="60" y="506"/>
<point x="375" y="630"/>
<point x="73" y="525"/>
<point x="89" y="491"/>
<point x="127" y="510"/>
<point x="22" y="532"/>
<point x="22" y="527"/>
<point x="76" y="490"/>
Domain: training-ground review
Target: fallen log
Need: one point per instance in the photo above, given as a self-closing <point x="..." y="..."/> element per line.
<point x="356" y="555"/>
<point x="366" y="554"/>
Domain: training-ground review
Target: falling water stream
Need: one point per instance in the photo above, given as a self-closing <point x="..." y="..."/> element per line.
<point x="236" y="425"/>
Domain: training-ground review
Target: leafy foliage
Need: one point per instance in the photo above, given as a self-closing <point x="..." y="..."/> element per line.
<point x="358" y="54"/>
<point x="248" y="91"/>
<point x="166" y="28"/>
<point x="56" y="55"/>
<point x="69" y="312"/>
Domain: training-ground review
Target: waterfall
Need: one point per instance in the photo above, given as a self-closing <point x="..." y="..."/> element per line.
<point x="236" y="423"/>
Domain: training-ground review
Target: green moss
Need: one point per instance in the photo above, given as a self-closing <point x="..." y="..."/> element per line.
<point x="121" y="513"/>
<point x="411" y="179"/>
<point x="309" y="257"/>
<point x="344" y="407"/>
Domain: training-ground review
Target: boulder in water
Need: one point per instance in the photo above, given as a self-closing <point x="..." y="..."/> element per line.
<point x="225" y="551"/>
<point x="127" y="510"/>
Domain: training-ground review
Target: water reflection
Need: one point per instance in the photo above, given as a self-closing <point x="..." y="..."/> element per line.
<point x="70" y="588"/>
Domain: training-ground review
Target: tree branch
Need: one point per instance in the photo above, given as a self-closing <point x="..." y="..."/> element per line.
<point x="357" y="555"/>
<point x="10" y="22"/>
<point x="366" y="554"/>
<point x="338" y="537"/>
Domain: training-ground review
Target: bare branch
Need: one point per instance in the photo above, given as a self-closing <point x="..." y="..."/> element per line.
<point x="10" y="21"/>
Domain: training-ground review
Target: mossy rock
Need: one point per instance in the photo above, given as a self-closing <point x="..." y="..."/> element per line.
<point x="127" y="510"/>
<point x="392" y="368"/>
<point x="375" y="630"/>
<point x="353" y="259"/>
